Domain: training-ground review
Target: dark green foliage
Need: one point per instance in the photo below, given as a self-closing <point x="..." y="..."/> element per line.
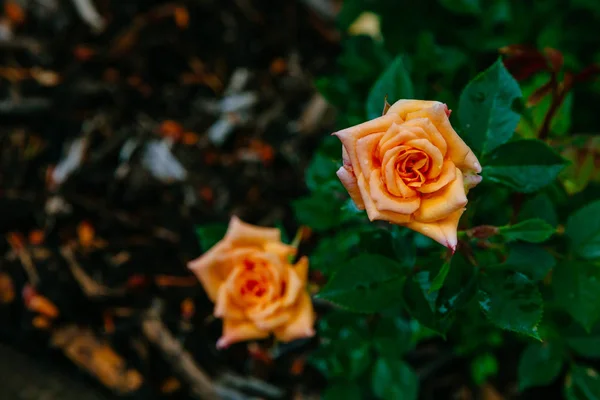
<point x="529" y="242"/>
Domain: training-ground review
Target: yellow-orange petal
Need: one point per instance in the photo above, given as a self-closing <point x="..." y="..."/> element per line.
<point x="238" y="331"/>
<point x="384" y="201"/>
<point x="273" y="321"/>
<point x="224" y="307"/>
<point x="442" y="231"/>
<point x="372" y="212"/>
<point x="471" y="180"/>
<point x="301" y="269"/>
<point x="393" y="181"/>
<point x="435" y="155"/>
<point x="293" y="287"/>
<point x="301" y="322"/>
<point x="350" y="183"/>
<point x="458" y="151"/>
<point x="351" y="135"/>
<point x="430" y="132"/>
<point x="441" y="204"/>
<point x="396" y="136"/>
<point x="280" y="249"/>
<point x="447" y="175"/>
<point x="242" y="233"/>
<point x="366" y="149"/>
<point x="407" y="106"/>
<point x="208" y="270"/>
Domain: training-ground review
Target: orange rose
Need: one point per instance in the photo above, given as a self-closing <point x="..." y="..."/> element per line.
<point x="410" y="167"/>
<point x="255" y="288"/>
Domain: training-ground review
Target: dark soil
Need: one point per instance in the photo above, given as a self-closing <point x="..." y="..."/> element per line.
<point x="115" y="144"/>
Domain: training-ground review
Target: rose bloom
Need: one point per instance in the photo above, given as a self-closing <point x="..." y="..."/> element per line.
<point x="255" y="288"/>
<point x="410" y="167"/>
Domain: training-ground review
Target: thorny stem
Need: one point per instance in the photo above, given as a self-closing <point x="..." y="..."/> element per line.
<point x="559" y="94"/>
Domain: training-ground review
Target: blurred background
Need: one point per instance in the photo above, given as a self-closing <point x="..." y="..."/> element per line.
<point x="125" y="124"/>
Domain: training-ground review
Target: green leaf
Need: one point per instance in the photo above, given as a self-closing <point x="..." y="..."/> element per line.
<point x="533" y="231"/>
<point x="483" y="367"/>
<point x="284" y="236"/>
<point x="404" y="247"/>
<point x="540" y="364"/>
<point x="529" y="259"/>
<point x="368" y="283"/>
<point x="523" y="165"/>
<point x="512" y="302"/>
<point x="436" y="309"/>
<point x="583" y="229"/>
<point x="485" y="109"/>
<point x="583" y="383"/>
<point x="468" y="7"/>
<point x="320" y="210"/>
<point x="394" y="83"/>
<point x="576" y="286"/>
<point x="421" y="304"/>
<point x="393" y="337"/>
<point x="342" y="390"/>
<point x="439" y="279"/>
<point x="393" y="379"/>
<point x="584" y="343"/>
<point x="320" y="171"/>
<point x="539" y="206"/>
<point x="209" y="235"/>
<point x="332" y="251"/>
<point x="346" y="351"/>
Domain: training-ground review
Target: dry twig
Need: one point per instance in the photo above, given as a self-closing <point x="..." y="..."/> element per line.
<point x="181" y="361"/>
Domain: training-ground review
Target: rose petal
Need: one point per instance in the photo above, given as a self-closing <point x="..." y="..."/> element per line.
<point x="238" y="331"/>
<point x="301" y="269"/>
<point x="225" y="308"/>
<point x="301" y="322"/>
<point x="437" y="160"/>
<point x="350" y="136"/>
<point x="384" y="201"/>
<point x="372" y="212"/>
<point x="209" y="271"/>
<point x="346" y="159"/>
<point x="442" y="231"/>
<point x="440" y="204"/>
<point x="242" y="233"/>
<point x="293" y="286"/>
<point x="458" y="151"/>
<point x="282" y="250"/>
<point x="350" y="183"/>
<point x="393" y="181"/>
<point x="430" y="132"/>
<point x="471" y="180"/>
<point x="396" y="136"/>
<point x="447" y="175"/>
<point x="366" y="153"/>
<point x="273" y="321"/>
<point x="264" y="310"/>
<point x="404" y="107"/>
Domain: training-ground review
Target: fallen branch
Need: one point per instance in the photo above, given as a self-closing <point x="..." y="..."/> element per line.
<point x="201" y="385"/>
<point x="90" y="287"/>
<point x="25" y="258"/>
<point x="251" y="384"/>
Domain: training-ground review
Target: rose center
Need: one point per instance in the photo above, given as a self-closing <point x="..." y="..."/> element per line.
<point x="253" y="287"/>
<point x="411" y="165"/>
<point x="255" y="281"/>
